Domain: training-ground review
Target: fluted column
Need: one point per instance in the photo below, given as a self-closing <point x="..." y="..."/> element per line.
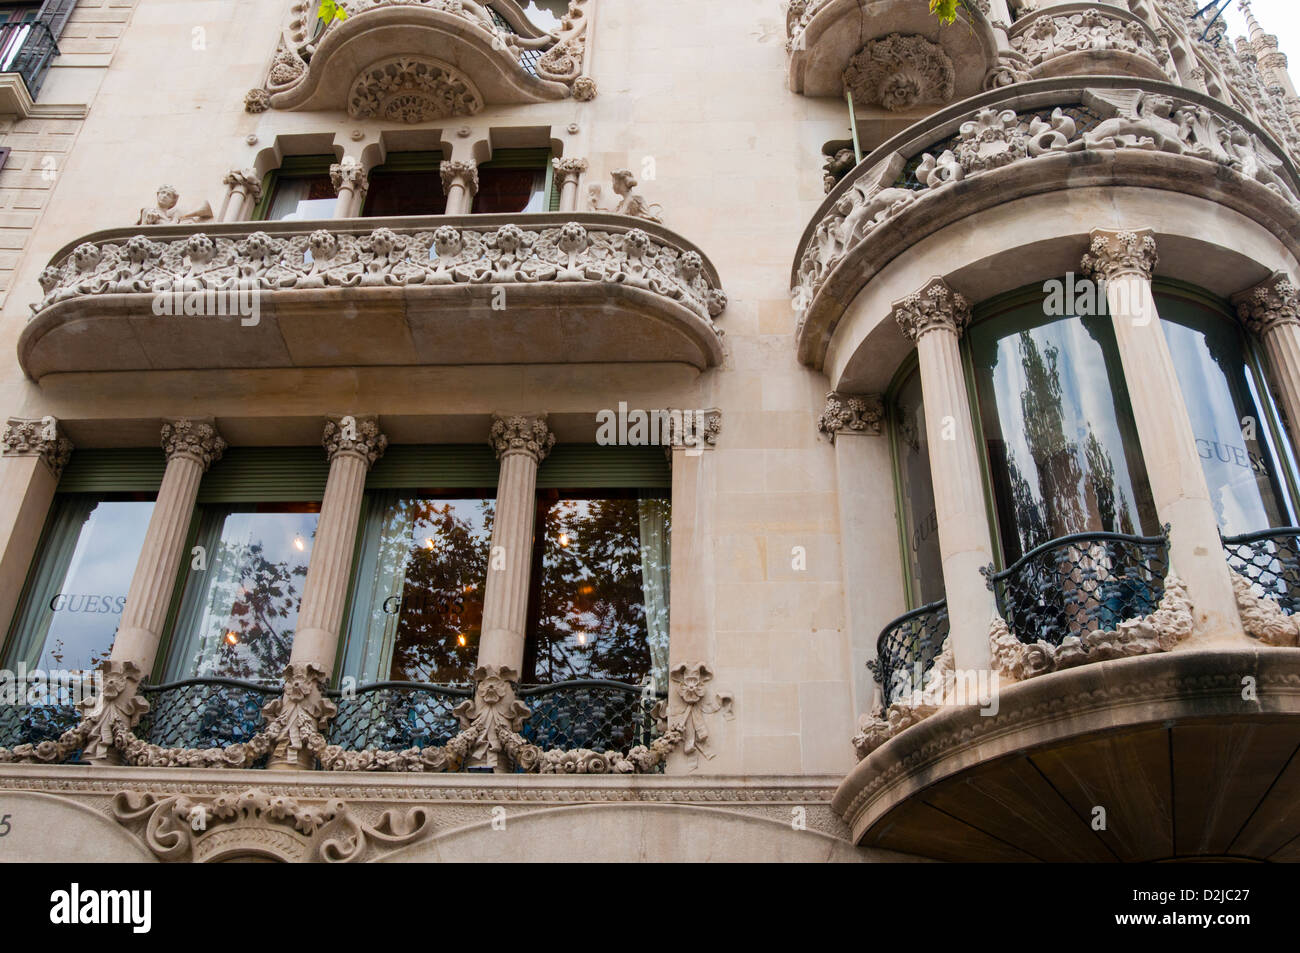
<point x="243" y="189"/>
<point x="1271" y="311"/>
<point x="35" y="453"/>
<point x="191" y="447"/>
<point x="934" y="318"/>
<point x="521" y="444"/>
<point x="353" y="445"/>
<point x="350" y="182"/>
<point x="1125" y="261"/>
<point x="459" y="184"/>
<point x="567" y="173"/>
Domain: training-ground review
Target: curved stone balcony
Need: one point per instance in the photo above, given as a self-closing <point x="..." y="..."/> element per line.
<point x="1088" y="39"/>
<point x="425" y="60"/>
<point x="550" y="288"/>
<point x="964" y="169"/>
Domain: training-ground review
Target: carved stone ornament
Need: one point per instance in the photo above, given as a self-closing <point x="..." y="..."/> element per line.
<point x="1270" y="305"/>
<point x="1262" y="617"/>
<point x="412" y="89"/>
<point x="630" y="201"/>
<point x="296" y="721"/>
<point x="359" y="436"/>
<point x="493" y="709"/>
<point x="693" y="429"/>
<point x="519" y="434"/>
<point x="257" y="824"/>
<point x="690" y="701"/>
<point x="166" y="213"/>
<point x="1113" y="254"/>
<point x="195" y="439"/>
<point x="881" y="724"/>
<point x="568" y="169"/>
<point x="257" y="100"/>
<point x="1046" y="37"/>
<point x="462" y="172"/>
<point x="349" y="174"/>
<point x="936" y="307"/>
<point x="38" y="438"/>
<point x="245" y="180"/>
<point x="447" y="255"/>
<point x="1161" y="631"/>
<point x="851" y="413"/>
<point x="900" y="71"/>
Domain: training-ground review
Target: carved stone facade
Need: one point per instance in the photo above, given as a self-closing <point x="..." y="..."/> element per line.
<point x="38" y="438"/>
<point x="936" y="307"/>
<point x="851" y="413"/>
<point x="900" y="72"/>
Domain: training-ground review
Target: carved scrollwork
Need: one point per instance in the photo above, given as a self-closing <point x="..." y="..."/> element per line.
<point x="900" y="71"/>
<point x="412" y="89"/>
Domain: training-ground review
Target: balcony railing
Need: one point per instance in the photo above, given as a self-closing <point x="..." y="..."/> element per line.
<point x="907" y="650"/>
<point x="595" y="714"/>
<point x="1271" y="561"/>
<point x="27" y="49"/>
<point x="394" y="716"/>
<point x="1089" y="582"/>
<point x="29" y="722"/>
<point x="203" y="712"/>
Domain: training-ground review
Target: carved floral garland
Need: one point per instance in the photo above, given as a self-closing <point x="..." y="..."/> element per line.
<point x="1262" y="617"/>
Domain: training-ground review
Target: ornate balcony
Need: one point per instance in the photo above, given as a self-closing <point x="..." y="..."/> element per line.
<point x="907" y="651"/>
<point x="423" y="61"/>
<point x="1270" y="562"/>
<point x="1087" y="39"/>
<point x="552" y="288"/>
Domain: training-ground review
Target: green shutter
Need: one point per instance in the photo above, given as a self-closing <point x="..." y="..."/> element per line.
<point x="121" y="470"/>
<point x="518" y="159"/>
<point x="435" y="466"/>
<point x="410" y="162"/>
<point x="266" y="475"/>
<point x="577" y="466"/>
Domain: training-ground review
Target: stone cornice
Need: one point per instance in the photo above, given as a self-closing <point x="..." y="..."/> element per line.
<point x="1269" y="305"/>
<point x="520" y="434"/>
<point x="356" y="435"/>
<point x="196" y="439"/>
<point x="38" y="438"/>
<point x="935" y="307"/>
<point x="1121" y="253"/>
<point x="851" y="413"/>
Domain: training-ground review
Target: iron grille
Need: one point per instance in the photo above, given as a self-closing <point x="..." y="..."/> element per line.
<point x="527" y="58"/>
<point x="204" y="712"/>
<point x="394" y="716"/>
<point x="27" y="49"/>
<point x="907" y="649"/>
<point x="1083" y="583"/>
<point x="595" y="714"/>
<point x="22" y="724"/>
<point x="1271" y="561"/>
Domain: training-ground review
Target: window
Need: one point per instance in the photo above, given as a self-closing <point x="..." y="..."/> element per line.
<point x="516" y="180"/>
<point x="299" y="190"/>
<point x="408" y="183"/>
<point x="923" y="562"/>
<point x="15" y="26"/>
<point x="545" y="14"/>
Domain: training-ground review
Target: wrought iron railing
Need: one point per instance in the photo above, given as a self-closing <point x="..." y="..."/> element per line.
<point x="204" y="712"/>
<point x="27" y="49"/>
<point x="596" y="714"/>
<point x="907" y="649"/>
<point x="1083" y="583"/>
<point x="37" y="712"/>
<point x="1271" y="561"/>
<point x="395" y="716"/>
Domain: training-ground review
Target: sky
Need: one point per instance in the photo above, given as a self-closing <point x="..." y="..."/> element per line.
<point x="1279" y="17"/>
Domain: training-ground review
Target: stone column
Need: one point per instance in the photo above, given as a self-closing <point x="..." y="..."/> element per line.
<point x="934" y="319"/>
<point x="191" y="447"/>
<point x="567" y="173"/>
<point x="874" y="592"/>
<point x="353" y="445"/>
<point x="350" y="181"/>
<point x="521" y="444"/>
<point x="243" y="190"/>
<point x="1271" y="311"/>
<point x="459" y="184"/>
<point x="35" y="453"/>
<point x="1125" y="261"/>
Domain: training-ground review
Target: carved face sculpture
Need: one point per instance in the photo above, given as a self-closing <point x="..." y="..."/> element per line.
<point x="623" y="182"/>
<point x="167" y="198"/>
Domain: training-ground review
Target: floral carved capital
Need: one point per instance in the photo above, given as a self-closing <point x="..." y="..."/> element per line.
<point x="38" y="438"/>
<point x="359" y="436"/>
<point x="348" y="174"/>
<point x="245" y="180"/>
<point x="568" y="169"/>
<point x="519" y="434"/>
<point x="1114" y="254"/>
<point x="851" y="413"/>
<point x="935" y="307"/>
<point x="462" y="172"/>
<point x="1270" y="305"/>
<point x="195" y="439"/>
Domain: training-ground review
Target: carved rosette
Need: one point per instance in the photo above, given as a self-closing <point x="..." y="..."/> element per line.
<point x="196" y="439"/>
<point x="462" y="172"/>
<point x="412" y="89"/>
<point x="359" y="436"/>
<point x="690" y="700"/>
<point x="519" y="434"/>
<point x="851" y="413"/>
<point x="900" y="71"/>
<point x="1270" y="305"/>
<point x="1115" y="254"/>
<point x="936" y="307"/>
<point x="38" y="438"/>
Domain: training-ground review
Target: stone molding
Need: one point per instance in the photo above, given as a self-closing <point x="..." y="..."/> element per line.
<point x="900" y="72"/>
<point x="851" y="413"/>
<point x="42" y="438"/>
<point x="520" y="434"/>
<point x="357" y="435"/>
<point x="196" y="439"/>
<point x="1262" y="617"/>
<point x="1269" y="305"/>
<point x="935" y="307"/>
<point x="1115" y="254"/>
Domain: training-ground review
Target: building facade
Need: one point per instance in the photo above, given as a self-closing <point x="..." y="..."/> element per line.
<point x="466" y="429"/>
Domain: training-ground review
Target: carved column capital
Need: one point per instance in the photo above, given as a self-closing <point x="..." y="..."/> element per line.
<point x="38" y="438"/>
<point x="349" y="174"/>
<point x="357" y="435"/>
<point x="568" y="169"/>
<point x="851" y="413"/>
<point x="694" y="429"/>
<point x="518" y="434"/>
<point x="462" y="172"/>
<point x="196" y="439"/>
<point x="1269" y="305"/>
<point x="1114" y="254"/>
<point x="935" y="307"/>
<point x="245" y="180"/>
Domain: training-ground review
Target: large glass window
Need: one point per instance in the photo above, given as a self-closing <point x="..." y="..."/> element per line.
<point x="78" y="586"/>
<point x="1062" y="445"/>
<point x="417" y="604"/>
<point x="408" y="183"/>
<point x="916" y="489"/>
<point x="299" y="190"/>
<point x="1231" y="415"/>
<point x="600" y="589"/>
<point x="516" y="180"/>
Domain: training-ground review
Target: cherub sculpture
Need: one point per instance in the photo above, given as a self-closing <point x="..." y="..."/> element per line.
<point x="165" y="212"/>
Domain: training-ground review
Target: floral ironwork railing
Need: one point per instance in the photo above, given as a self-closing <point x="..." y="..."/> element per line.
<point x="394" y="716"/>
<point x="1088" y="582"/>
<point x="1271" y="561"/>
<point x="203" y="712"/>
<point x="907" y="650"/>
<point x="595" y="714"/>
<point x="26" y="720"/>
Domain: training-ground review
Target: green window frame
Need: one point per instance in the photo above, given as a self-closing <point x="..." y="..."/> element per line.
<point x="535" y="158"/>
<point x="289" y="166"/>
